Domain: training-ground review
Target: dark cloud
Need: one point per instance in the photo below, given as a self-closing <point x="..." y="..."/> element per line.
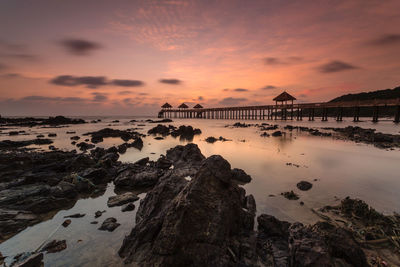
<point x="127" y="83"/>
<point x="269" y="87"/>
<point x="89" y="81"/>
<point x="240" y="90"/>
<point x="275" y="61"/>
<point x="387" y="39"/>
<point x="99" y="97"/>
<point x="170" y="81"/>
<point x="47" y="98"/>
<point x="232" y="100"/>
<point x="64" y="80"/>
<point x="225" y="90"/>
<point x="335" y="66"/>
<point x="79" y="47"/>
<point x="93" y="82"/>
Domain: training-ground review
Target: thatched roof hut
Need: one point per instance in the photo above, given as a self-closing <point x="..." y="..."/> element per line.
<point x="198" y="106"/>
<point x="284" y="97"/>
<point x="183" y="105"/>
<point x="166" y="105"/>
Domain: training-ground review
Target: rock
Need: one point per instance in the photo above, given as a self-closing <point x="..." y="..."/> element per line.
<point x="125" y="135"/>
<point x="128" y="207"/>
<point x="96" y="139"/>
<point x="55" y="246"/>
<point x="14" y="221"/>
<point x="70" y="132"/>
<point x="143" y="161"/>
<point x="76" y="215"/>
<point x="32" y="260"/>
<point x="240" y="176"/>
<point x="277" y="133"/>
<point x="322" y="244"/>
<point x="211" y="139"/>
<point x="141" y="178"/>
<point x="94" y="222"/>
<point x="197" y="223"/>
<point x="158" y="138"/>
<point x="265" y="134"/>
<point x="159" y="129"/>
<point x="122" y="148"/>
<point x="304" y="185"/>
<point x="290" y="195"/>
<point x="138" y="143"/>
<point x="98" y="213"/>
<point x="122" y="199"/>
<point x="8" y="144"/>
<point x="75" y="138"/>
<point x="185" y="155"/>
<point x="40" y="136"/>
<point x="52" y="148"/>
<point x="164" y="163"/>
<point x="95" y="175"/>
<point x="85" y="146"/>
<point x="109" y="224"/>
<point x="52" y="135"/>
<point x="13" y="133"/>
<point x="66" y="223"/>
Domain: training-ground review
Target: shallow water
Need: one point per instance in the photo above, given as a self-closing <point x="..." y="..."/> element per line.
<point x="342" y="168"/>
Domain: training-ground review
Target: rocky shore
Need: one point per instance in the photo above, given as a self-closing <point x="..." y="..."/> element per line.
<point x="195" y="212"/>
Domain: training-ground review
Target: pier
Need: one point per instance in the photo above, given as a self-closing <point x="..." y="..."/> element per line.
<point x="282" y="110"/>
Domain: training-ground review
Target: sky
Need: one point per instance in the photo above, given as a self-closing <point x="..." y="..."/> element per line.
<point x="97" y="57"/>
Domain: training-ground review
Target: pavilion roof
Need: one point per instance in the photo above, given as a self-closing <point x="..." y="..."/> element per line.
<point x="198" y="106"/>
<point x="166" y="105"/>
<point x="183" y="105"/>
<point x="284" y="97"/>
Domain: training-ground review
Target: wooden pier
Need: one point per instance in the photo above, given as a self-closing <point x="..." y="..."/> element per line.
<point x="286" y="111"/>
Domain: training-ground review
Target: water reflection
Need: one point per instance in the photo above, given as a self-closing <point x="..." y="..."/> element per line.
<point x="340" y="168"/>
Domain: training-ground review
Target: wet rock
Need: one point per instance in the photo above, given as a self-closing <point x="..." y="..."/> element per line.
<point x="159" y="129"/>
<point x="122" y="199"/>
<point x="8" y="144"/>
<point x="138" y="143"/>
<point x="96" y="175"/>
<point x="277" y="133"/>
<point x="55" y="246"/>
<point x="201" y="222"/>
<point x="52" y="148"/>
<point x="13" y="133"/>
<point x="264" y="134"/>
<point x="30" y="260"/>
<point x="185" y="155"/>
<point x="52" y="135"/>
<point x="304" y="185"/>
<point x="75" y="138"/>
<point x="40" y="136"/>
<point x="76" y="215"/>
<point x="137" y="177"/>
<point x="85" y="146"/>
<point x="290" y="195"/>
<point x="66" y="223"/>
<point x="161" y="121"/>
<point x="143" y="161"/>
<point x="70" y="132"/>
<point x="240" y="176"/>
<point x="241" y="125"/>
<point x="122" y="148"/>
<point x="164" y="163"/>
<point x="158" y="138"/>
<point x="94" y="222"/>
<point x="125" y="135"/>
<point x="109" y="224"/>
<point x="14" y="221"/>
<point x="98" y="213"/>
<point x="128" y="207"/>
<point x="211" y="139"/>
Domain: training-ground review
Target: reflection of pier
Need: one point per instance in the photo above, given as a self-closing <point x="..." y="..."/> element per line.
<point x="283" y="110"/>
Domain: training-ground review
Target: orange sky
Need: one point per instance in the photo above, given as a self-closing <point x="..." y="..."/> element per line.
<point x="99" y="57"/>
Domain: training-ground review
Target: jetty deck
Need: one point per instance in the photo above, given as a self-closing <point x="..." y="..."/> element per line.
<point x="285" y="111"/>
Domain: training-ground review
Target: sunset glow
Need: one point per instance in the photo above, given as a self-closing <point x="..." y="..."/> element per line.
<point x="129" y="57"/>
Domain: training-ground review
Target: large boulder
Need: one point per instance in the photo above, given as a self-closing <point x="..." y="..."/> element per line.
<point x="202" y="222"/>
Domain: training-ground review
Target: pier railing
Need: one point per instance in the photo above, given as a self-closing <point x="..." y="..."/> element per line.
<point x="287" y="111"/>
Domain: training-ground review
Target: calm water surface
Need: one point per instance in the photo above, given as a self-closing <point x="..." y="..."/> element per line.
<point x="341" y="168"/>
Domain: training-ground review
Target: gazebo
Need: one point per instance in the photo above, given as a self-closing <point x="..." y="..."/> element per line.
<point x="284" y="97"/>
<point x="198" y="106"/>
<point x="166" y="106"/>
<point x="183" y="106"/>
